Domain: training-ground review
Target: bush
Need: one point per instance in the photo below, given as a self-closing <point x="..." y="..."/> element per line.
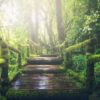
<point x="78" y="77"/>
<point x="97" y="73"/>
<point x="79" y="62"/>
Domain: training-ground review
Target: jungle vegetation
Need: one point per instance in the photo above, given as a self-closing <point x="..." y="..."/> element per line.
<point x="62" y="27"/>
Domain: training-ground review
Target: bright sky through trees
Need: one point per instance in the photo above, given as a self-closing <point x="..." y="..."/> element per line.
<point x="10" y="13"/>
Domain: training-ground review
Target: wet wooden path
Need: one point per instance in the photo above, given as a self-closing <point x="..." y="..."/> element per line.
<point x="44" y="74"/>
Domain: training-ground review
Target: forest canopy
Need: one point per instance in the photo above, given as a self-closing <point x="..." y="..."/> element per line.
<point x="49" y="22"/>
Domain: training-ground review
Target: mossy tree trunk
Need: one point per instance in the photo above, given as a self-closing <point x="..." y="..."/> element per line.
<point x="28" y="51"/>
<point x="50" y="33"/>
<point x="5" y="66"/>
<point x="19" y="57"/>
<point x="68" y="60"/>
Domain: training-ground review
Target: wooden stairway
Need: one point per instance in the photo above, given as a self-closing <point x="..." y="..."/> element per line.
<point x="42" y="78"/>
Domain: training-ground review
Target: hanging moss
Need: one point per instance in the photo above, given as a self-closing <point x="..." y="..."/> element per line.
<point x="78" y="46"/>
<point x="2" y="60"/>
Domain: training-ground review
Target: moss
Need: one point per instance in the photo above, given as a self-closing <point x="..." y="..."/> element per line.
<point x="2" y="61"/>
<point x="20" y="93"/>
<point x="94" y="58"/>
<point x="2" y="98"/>
<point x="76" y="76"/>
<point x="77" y="46"/>
<point x="41" y="93"/>
<point x="13" y="73"/>
<point x="34" y="55"/>
<point x="61" y="45"/>
<point x="94" y="96"/>
<point x="62" y="68"/>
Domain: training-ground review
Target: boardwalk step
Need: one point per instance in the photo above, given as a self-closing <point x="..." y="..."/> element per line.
<point x="43" y="79"/>
<point x="46" y="95"/>
<point x="42" y="69"/>
<point x="48" y="55"/>
<point x="45" y="61"/>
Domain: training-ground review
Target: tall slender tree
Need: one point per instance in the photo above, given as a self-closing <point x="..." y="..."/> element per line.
<point x="36" y="26"/>
<point x="32" y="14"/>
<point x="59" y="20"/>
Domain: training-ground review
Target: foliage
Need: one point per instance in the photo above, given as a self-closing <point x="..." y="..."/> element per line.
<point x="97" y="66"/>
<point x="77" y="76"/>
<point x="91" y="25"/>
<point x="94" y="58"/>
<point x="12" y="94"/>
<point x="74" y="19"/>
<point x="13" y="71"/>
<point x="97" y="73"/>
<point x="2" y="98"/>
<point x="77" y="46"/>
<point x="2" y="61"/>
<point x="79" y="62"/>
<point x="13" y="66"/>
<point x="37" y="25"/>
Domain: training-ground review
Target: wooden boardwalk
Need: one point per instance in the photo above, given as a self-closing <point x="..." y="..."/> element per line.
<point x="44" y="74"/>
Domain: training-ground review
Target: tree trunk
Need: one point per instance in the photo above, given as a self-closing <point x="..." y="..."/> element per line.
<point x="36" y="24"/>
<point x="50" y="34"/>
<point x="59" y="21"/>
<point x="4" y="74"/>
<point x="32" y="28"/>
<point x="32" y="21"/>
<point x="90" y="67"/>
